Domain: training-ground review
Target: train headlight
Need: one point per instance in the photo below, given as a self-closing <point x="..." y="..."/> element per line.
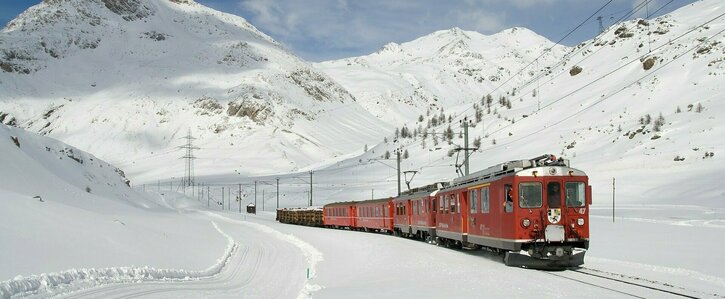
<point x="580" y="221"/>
<point x="526" y="222"/>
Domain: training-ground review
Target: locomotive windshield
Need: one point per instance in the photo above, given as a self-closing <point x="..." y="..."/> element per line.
<point x="530" y="195"/>
<point x="575" y="194"/>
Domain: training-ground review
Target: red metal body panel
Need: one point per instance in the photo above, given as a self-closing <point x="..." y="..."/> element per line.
<point x="415" y="213"/>
<point x="503" y="227"/>
<point x="374" y="214"/>
<point x="339" y="214"/>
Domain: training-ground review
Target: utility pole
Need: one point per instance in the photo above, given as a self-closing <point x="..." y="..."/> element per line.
<point x="397" y="153"/>
<point x="601" y="27"/>
<point x="188" y="179"/>
<point x="465" y="123"/>
<point x="207" y="196"/>
<point x="310" y="188"/>
<point x="240" y="198"/>
<point x="222" y="198"/>
<point x="613" y="192"/>
<point x="465" y="143"/>
<point x="277" y="193"/>
<point x="255" y="194"/>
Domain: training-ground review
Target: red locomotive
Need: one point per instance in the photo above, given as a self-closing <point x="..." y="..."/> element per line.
<point x="534" y="211"/>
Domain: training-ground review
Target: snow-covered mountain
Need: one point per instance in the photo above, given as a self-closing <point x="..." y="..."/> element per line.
<point x="443" y="69"/>
<point x="598" y="103"/>
<point x="126" y="79"/>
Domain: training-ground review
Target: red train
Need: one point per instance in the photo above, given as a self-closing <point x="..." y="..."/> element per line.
<point x="534" y="211"/>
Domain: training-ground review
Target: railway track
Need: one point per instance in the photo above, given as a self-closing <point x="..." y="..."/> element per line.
<point x="628" y="285"/>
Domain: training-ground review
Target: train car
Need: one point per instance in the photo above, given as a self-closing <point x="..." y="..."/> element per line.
<point x="536" y="211"/>
<point x="415" y="212"/>
<point x="374" y="215"/>
<point x="339" y="215"/>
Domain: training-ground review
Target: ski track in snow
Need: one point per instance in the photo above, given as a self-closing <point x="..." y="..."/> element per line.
<point x="311" y="253"/>
<point x="51" y="284"/>
<point x="248" y="270"/>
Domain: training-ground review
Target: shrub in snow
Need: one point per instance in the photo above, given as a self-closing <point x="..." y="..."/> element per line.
<point x="575" y="70"/>
<point x="649" y="63"/>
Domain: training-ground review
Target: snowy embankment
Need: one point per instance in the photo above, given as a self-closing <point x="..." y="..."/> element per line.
<point x="75" y="279"/>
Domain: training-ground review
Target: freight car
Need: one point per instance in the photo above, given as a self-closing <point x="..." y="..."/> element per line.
<point x="300" y="216"/>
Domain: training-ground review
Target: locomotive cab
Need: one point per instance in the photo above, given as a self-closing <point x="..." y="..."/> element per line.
<point x="551" y="209"/>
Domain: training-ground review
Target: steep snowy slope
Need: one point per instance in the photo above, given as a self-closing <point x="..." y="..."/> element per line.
<point x="61" y="208"/>
<point x="126" y="79"/>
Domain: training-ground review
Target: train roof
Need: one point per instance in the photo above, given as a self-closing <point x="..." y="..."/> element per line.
<point x="356" y="202"/>
<point x="542" y="165"/>
<point x="423" y="191"/>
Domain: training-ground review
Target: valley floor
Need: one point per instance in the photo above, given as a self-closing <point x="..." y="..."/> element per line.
<point x="670" y="249"/>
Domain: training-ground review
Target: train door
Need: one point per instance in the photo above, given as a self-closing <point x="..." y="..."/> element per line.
<point x="463" y="210"/>
<point x="506" y="196"/>
<point x="554" y="204"/>
<point x="353" y="218"/>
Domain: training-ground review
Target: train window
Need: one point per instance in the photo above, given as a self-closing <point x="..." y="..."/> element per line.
<point x="484" y="200"/>
<point x="575" y="194"/>
<point x="415" y="207"/>
<point x="530" y="195"/>
<point x="473" y="200"/>
<point x="508" y="199"/>
<point x="553" y="195"/>
<point x="453" y="202"/>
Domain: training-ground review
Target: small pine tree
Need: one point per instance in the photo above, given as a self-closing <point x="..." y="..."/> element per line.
<point x="449" y="134"/>
<point x="405" y="154"/>
<point x="619" y="128"/>
<point x="477" y="142"/>
<point x="420" y="118"/>
<point x="366" y="149"/>
<point x="397" y="133"/>
<point x="678" y="110"/>
<point x="659" y="122"/>
<point x="435" y="138"/>
<point x="699" y="108"/>
<point x="493" y="141"/>
<point x="385" y="139"/>
<point x="386" y="155"/>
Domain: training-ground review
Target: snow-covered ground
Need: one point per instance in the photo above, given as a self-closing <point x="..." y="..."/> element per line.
<point x="272" y="260"/>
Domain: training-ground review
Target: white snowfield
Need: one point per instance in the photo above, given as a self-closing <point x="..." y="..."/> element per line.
<point x="272" y="259"/>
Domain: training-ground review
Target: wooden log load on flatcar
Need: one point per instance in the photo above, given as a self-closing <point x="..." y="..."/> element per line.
<point x="300" y="216"/>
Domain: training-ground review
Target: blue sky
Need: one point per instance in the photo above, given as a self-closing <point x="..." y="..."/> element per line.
<point x="320" y="30"/>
